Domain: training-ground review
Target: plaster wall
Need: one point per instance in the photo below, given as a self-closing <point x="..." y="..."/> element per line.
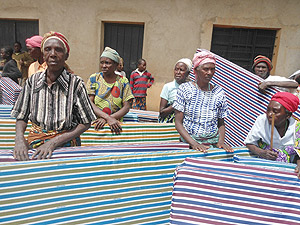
<point x="173" y="29"/>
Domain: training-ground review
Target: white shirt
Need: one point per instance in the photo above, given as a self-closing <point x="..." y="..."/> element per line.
<point x="169" y="91"/>
<point x="262" y="130"/>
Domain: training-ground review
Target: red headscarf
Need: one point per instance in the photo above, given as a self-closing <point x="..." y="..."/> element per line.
<point x="58" y="36"/>
<point x="261" y="58"/>
<point x="203" y="57"/>
<point x="287" y="100"/>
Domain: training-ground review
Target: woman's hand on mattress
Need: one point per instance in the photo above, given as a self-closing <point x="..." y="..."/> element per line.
<point x="99" y="123"/>
<point x="199" y="147"/>
<point x="224" y="146"/>
<point x="44" y="151"/>
<point x="114" y="125"/>
<point x="297" y="170"/>
<point x="21" y="149"/>
<point x="268" y="154"/>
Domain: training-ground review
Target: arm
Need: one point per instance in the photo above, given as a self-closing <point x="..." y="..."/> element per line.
<point x="297" y="169"/>
<point x="114" y="124"/>
<point x="151" y="81"/>
<point x="263" y="153"/>
<point x="164" y="109"/>
<point x="182" y="131"/>
<point x="123" y="111"/>
<point x="221" y="144"/>
<point x="285" y="84"/>
<point x="45" y="151"/>
<point x="21" y="145"/>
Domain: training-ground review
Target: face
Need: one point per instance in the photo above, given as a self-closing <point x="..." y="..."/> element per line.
<point x="180" y="72"/>
<point x="120" y="67"/>
<point x="142" y="66"/>
<point x="34" y="52"/>
<point x="107" y="65"/>
<point x="280" y="114"/>
<point x="261" y="69"/>
<point x="3" y="54"/>
<point x="54" y="54"/>
<point x="17" y="47"/>
<point x="205" y="72"/>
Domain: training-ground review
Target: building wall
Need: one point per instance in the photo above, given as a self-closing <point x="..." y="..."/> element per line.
<point x="173" y="29"/>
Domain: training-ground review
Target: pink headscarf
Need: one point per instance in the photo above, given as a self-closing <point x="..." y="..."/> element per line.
<point x="203" y="57"/>
<point x="34" y="41"/>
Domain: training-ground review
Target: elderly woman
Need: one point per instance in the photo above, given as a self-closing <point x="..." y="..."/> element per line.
<point x="109" y="92"/>
<point x="55" y="101"/>
<point x="169" y="91"/>
<point x="200" y="107"/>
<point x="285" y="137"/>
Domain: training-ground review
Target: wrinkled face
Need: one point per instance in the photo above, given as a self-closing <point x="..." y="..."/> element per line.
<point x="205" y="72"/>
<point x="180" y="72"/>
<point x="107" y="65"/>
<point x="54" y="54"/>
<point x="261" y="69"/>
<point x="34" y="52"/>
<point x="279" y="111"/>
<point x="142" y="66"/>
<point x="17" y="47"/>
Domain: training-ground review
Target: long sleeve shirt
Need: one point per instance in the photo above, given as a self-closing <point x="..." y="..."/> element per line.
<point x="139" y="82"/>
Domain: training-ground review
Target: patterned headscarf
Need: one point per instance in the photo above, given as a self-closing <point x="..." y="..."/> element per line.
<point x="57" y="36"/>
<point x="261" y="58"/>
<point x="203" y="57"/>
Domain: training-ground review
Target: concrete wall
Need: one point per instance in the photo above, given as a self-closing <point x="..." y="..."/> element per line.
<point x="173" y="29"/>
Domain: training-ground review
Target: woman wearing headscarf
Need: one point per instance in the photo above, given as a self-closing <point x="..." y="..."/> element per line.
<point x="109" y="92"/>
<point x="56" y="103"/>
<point x="286" y="137"/>
<point x="200" y="107"/>
<point x="181" y="71"/>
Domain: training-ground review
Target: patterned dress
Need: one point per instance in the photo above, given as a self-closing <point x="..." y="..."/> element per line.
<point x="201" y="110"/>
<point x="109" y="97"/>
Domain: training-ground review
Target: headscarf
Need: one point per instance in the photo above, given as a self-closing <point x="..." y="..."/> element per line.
<point x="111" y="54"/>
<point x="186" y="61"/>
<point x="287" y="100"/>
<point x="34" y="41"/>
<point x="57" y="36"/>
<point x="203" y="57"/>
<point x="261" y="58"/>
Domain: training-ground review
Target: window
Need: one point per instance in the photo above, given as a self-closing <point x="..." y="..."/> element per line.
<point x="241" y="45"/>
<point x="127" y="40"/>
<point x="17" y="30"/>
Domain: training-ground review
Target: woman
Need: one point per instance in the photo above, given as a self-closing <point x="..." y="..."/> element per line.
<point x="169" y="91"/>
<point x="285" y="137"/>
<point x="109" y="93"/>
<point x="200" y="107"/>
<point x="10" y="68"/>
<point x="55" y="101"/>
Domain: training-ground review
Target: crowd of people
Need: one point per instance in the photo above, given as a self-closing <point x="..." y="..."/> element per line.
<point x="197" y="107"/>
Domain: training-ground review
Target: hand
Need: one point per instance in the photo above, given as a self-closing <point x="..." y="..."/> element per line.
<point x="21" y="62"/>
<point x="21" y="150"/>
<point x="114" y="125"/>
<point x="200" y="147"/>
<point x="224" y="146"/>
<point x="99" y="123"/>
<point x="44" y="151"/>
<point x="268" y="154"/>
<point x="297" y="170"/>
<point x="262" y="87"/>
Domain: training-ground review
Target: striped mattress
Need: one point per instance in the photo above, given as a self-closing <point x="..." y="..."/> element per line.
<point x="116" y="185"/>
<point x="214" y="192"/>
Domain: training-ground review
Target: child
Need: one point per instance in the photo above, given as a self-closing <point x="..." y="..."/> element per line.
<point x="140" y="80"/>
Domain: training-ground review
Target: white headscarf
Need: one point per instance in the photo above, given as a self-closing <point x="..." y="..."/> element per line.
<point x="187" y="62"/>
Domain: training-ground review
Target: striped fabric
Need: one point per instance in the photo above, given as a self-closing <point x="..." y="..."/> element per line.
<point x="212" y="192"/>
<point x="145" y="115"/>
<point x="118" y="185"/>
<point x="9" y="91"/>
<point x="244" y="99"/>
<point x="132" y="133"/>
<point x="5" y="111"/>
